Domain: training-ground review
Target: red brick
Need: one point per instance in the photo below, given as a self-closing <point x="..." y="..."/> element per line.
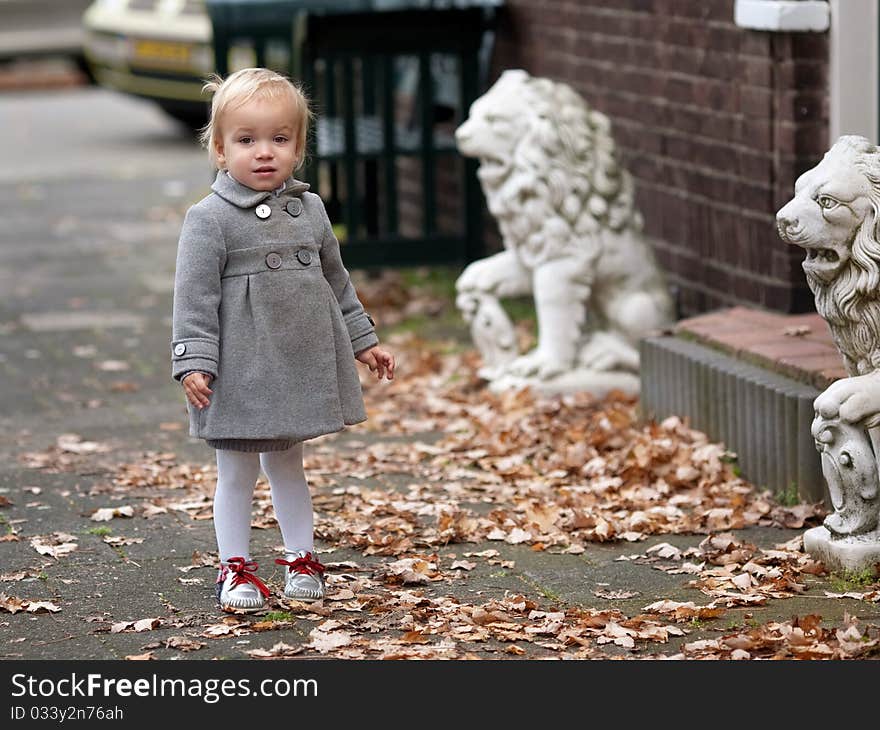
<point x="788" y="349"/>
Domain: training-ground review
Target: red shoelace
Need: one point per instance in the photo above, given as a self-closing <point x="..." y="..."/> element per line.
<point x="306" y="564"/>
<point x="244" y="573"/>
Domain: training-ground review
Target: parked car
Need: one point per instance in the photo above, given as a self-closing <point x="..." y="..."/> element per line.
<point x="156" y="49"/>
<point x="41" y="28"/>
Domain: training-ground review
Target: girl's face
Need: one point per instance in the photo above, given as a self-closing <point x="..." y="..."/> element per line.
<point x="257" y="144"/>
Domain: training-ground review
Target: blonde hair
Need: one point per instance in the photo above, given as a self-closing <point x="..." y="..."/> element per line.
<point x="243" y="86"/>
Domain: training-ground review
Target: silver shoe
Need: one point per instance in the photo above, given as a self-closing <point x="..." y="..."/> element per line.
<point x="305" y="576"/>
<point x="239" y="589"/>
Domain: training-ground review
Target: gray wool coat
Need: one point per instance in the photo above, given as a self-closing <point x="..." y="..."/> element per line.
<point x="265" y="305"/>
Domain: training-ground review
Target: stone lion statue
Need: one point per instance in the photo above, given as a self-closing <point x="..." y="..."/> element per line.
<point x="833" y="216"/>
<point x="572" y="239"/>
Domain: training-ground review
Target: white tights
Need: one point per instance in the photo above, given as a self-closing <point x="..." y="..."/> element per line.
<point x="237" y="473"/>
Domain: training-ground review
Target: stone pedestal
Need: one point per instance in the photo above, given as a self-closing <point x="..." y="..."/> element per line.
<point x="852" y="553"/>
<point x="575" y="381"/>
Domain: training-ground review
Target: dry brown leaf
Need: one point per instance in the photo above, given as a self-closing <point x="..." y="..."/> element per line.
<point x="415" y="637"/>
<point x="462" y="565"/>
<point x="615" y="595"/>
<point x="55" y="545"/>
<point x="183" y="643"/>
<point x="326" y="641"/>
<point x="105" y="514"/>
<point x="41" y="607"/>
<point x="11" y="604"/>
<point x="278" y="651"/>
<point x="144" y="624"/>
<point x="119" y="541"/>
<point x="74" y="444"/>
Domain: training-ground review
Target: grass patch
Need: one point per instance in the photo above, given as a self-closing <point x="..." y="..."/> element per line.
<point x="731" y="458"/>
<point x="99" y="531"/>
<point x="851" y="580"/>
<point x="280" y="616"/>
<point x="438" y="281"/>
<point x="788" y="496"/>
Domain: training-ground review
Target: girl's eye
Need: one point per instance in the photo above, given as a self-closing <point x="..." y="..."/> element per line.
<point x="280" y="140"/>
<point x="826" y="202"/>
<point x="245" y="140"/>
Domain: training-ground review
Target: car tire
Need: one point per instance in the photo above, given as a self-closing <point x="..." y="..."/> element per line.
<point x="193" y="116"/>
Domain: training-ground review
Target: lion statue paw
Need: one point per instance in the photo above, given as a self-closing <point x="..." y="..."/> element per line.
<point x="535" y="363"/>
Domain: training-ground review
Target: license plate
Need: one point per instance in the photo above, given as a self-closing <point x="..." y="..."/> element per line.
<point x="161" y="54"/>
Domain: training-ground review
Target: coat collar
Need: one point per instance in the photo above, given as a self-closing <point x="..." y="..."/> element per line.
<point x="234" y="192"/>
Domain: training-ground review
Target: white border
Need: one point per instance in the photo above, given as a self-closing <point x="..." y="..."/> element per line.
<point x="852" y="69"/>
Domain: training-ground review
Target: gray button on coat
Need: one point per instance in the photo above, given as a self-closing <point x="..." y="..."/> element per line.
<point x="266" y="306"/>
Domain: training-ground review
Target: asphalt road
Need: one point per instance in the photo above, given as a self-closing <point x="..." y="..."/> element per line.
<point x="92" y="188"/>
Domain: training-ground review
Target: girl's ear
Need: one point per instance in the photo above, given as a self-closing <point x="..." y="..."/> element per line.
<point x="219" y="153"/>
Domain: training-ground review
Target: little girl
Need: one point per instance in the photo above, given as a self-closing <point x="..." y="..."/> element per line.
<point x="266" y="328"/>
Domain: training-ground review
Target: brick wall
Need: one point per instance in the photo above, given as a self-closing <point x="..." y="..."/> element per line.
<point x="714" y="121"/>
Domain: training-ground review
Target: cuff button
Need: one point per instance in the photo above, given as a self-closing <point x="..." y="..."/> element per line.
<point x="179" y="349"/>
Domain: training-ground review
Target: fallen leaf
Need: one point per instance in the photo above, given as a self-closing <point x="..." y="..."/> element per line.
<point x="278" y="651"/>
<point x="41" y="606"/>
<point x="183" y="643"/>
<point x="415" y="637"/>
<point x="462" y="565"/>
<point x="119" y="541"/>
<point x="615" y="595"/>
<point x="74" y="444"/>
<point x="144" y="624"/>
<point x="11" y="604"/>
<point x="112" y="366"/>
<point x="140" y="657"/>
<point x="105" y="514"/>
<point x="326" y="641"/>
<point x="55" y="545"/>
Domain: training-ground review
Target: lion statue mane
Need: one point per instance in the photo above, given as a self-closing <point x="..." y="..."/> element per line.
<point x="572" y="239"/>
<point x="834" y="217"/>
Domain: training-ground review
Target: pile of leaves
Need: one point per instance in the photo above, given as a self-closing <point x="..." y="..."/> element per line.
<point x="443" y="464"/>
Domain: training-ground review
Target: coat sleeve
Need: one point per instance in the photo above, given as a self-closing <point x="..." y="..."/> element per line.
<point x="359" y="323"/>
<point x="195" y="328"/>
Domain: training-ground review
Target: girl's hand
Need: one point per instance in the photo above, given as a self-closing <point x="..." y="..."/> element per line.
<point x="195" y="385"/>
<point x="379" y="361"/>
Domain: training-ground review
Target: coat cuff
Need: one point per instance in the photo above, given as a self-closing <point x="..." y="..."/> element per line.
<point x="365" y="341"/>
<point x="194" y="354"/>
<point x="358" y="325"/>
